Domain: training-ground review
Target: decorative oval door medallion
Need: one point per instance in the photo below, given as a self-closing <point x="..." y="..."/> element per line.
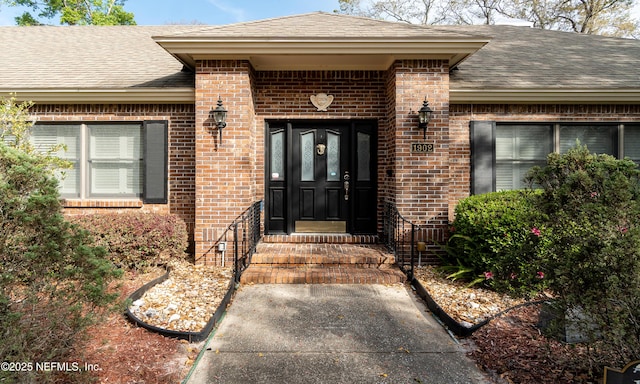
<point x="321" y="101"/>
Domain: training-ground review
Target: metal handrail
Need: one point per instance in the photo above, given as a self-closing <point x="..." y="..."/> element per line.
<point x="399" y="235"/>
<point x="245" y="232"/>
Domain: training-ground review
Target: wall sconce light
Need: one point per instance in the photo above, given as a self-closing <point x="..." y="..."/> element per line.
<point x="219" y="117"/>
<point x="424" y="115"/>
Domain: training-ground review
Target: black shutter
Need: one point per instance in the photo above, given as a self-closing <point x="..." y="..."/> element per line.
<point x="483" y="145"/>
<point x="156" y="151"/>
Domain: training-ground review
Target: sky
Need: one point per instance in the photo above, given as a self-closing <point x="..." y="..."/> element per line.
<point x="216" y="12"/>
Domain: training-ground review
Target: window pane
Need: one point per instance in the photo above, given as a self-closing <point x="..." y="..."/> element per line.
<point x="116" y="142"/>
<point x="364" y="157"/>
<point x="115" y="160"/>
<point x="44" y="137"/>
<point x="307" y="156"/>
<point x="632" y="142"/>
<point x="277" y="155"/>
<point x="69" y="180"/>
<point x="510" y="175"/>
<point x="333" y="157"/>
<point x="518" y="148"/>
<point x="115" y="178"/>
<point x="598" y="139"/>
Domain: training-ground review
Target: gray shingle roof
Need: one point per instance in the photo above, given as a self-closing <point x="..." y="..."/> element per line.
<point x="324" y="25"/>
<point x="521" y="57"/>
<point x="88" y="57"/>
<point x="93" y="57"/>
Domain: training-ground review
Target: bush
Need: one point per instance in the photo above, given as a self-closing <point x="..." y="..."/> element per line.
<point x="592" y="252"/>
<point x="495" y="237"/>
<point x="53" y="282"/>
<point x="137" y="239"/>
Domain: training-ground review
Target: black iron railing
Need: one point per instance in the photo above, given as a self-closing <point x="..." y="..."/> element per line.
<point x="240" y="239"/>
<point x="408" y="241"/>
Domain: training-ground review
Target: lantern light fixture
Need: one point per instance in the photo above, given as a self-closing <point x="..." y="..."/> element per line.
<point x="424" y="116"/>
<point x="219" y="115"/>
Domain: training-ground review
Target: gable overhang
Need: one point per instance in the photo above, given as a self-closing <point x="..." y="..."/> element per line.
<point x="544" y="96"/>
<point x="271" y="54"/>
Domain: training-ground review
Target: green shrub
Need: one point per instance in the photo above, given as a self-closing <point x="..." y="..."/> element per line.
<point x="137" y="239"/>
<point x="495" y="237"/>
<point x="53" y="282"/>
<point x="592" y="252"/>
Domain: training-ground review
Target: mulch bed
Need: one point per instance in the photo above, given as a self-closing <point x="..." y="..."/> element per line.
<point x="125" y="353"/>
<point x="510" y="348"/>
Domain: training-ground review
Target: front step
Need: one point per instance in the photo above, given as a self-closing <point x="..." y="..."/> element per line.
<point x="318" y="263"/>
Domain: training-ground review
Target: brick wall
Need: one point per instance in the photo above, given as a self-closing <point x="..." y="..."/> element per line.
<point x="421" y="180"/>
<point x="230" y="176"/>
<point x="225" y="169"/>
<point x="181" y="153"/>
<point x="462" y="114"/>
<point x="286" y="95"/>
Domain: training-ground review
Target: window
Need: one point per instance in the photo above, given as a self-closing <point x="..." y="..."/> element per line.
<point x="518" y="148"/>
<point x="114" y="160"/>
<point x="598" y="138"/>
<point x="46" y="137"/>
<point x="502" y="153"/>
<point x="109" y="159"/>
<point x="631" y="145"/>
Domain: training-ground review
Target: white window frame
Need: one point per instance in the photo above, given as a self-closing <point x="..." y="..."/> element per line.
<point x="84" y="167"/>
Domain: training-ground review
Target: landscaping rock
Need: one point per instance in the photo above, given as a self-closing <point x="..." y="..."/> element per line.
<point x="186" y="300"/>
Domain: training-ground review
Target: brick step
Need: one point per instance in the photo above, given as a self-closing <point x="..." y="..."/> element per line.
<point x="298" y="254"/>
<point x="322" y="263"/>
<point x="262" y="274"/>
<point x="317" y="261"/>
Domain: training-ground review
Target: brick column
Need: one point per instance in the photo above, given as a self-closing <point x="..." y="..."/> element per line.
<point x="421" y="182"/>
<point x="225" y="170"/>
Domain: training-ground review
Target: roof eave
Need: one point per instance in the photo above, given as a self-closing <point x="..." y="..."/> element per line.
<point x="185" y="95"/>
<point x="544" y="96"/>
<point x="349" y="51"/>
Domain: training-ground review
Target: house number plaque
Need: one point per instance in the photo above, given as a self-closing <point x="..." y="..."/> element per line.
<point x="422" y="147"/>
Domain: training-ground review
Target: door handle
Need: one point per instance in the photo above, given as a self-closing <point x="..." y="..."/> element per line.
<point x="346" y="178"/>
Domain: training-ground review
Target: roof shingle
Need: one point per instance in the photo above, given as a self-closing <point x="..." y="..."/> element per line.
<point x="91" y="57"/>
<point x="522" y="57"/>
<point x="88" y="57"/>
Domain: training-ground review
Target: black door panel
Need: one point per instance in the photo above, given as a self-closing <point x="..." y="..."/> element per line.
<point x="321" y="176"/>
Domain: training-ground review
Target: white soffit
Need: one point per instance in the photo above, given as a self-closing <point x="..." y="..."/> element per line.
<point x="309" y="54"/>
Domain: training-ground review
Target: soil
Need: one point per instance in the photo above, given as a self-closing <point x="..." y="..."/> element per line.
<point x="510" y="348"/>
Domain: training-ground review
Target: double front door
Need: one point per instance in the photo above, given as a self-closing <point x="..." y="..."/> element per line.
<point x="321" y="177"/>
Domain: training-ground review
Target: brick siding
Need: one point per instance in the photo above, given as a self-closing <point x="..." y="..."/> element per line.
<point x="181" y="153"/>
<point x="211" y="181"/>
<point x="462" y="114"/>
<point x="230" y="174"/>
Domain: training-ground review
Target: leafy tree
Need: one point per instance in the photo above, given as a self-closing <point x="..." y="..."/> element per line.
<point x="53" y="282"/>
<point x="15" y="130"/>
<point x="600" y="17"/>
<point x="592" y="248"/>
<point x="74" y="12"/>
<point x="603" y="17"/>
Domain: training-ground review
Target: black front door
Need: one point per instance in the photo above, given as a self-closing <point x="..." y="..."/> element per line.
<point x="321" y="177"/>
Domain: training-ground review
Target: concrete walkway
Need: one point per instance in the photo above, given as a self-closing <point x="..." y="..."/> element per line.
<point x="331" y="334"/>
